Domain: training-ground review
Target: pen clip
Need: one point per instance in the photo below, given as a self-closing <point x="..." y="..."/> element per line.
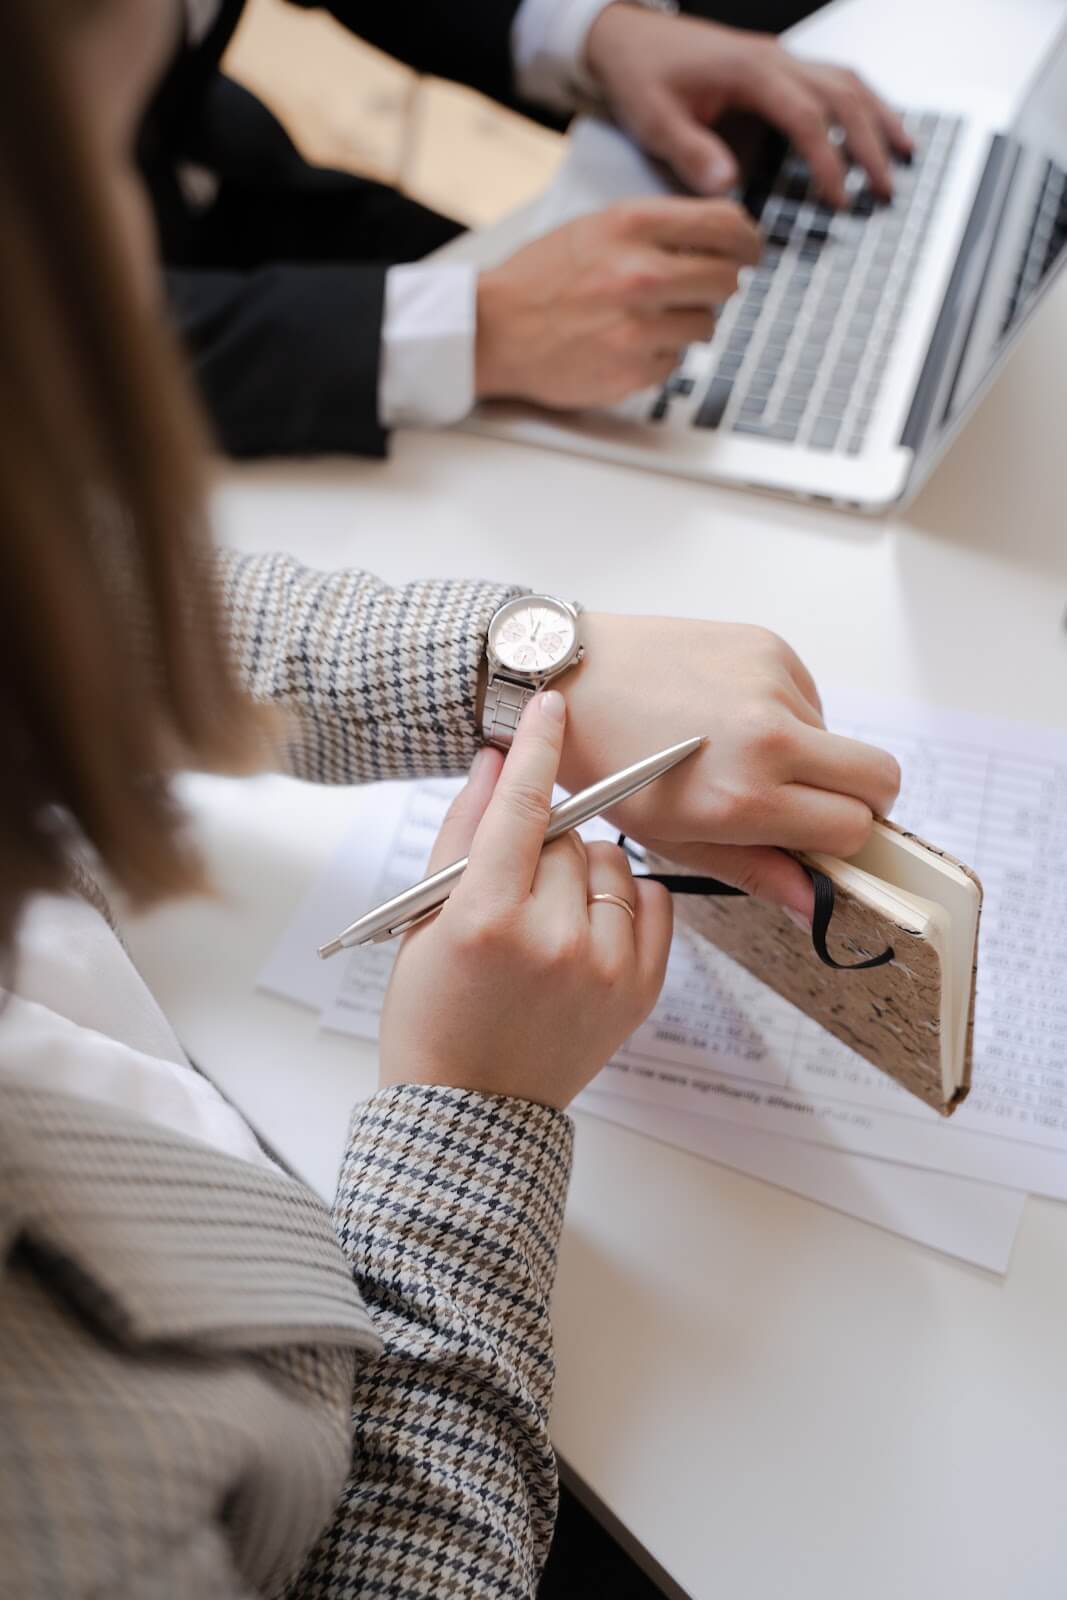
<point x="406" y="926"/>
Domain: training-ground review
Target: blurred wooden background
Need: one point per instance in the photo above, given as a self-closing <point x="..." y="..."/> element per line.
<point x="346" y="105"/>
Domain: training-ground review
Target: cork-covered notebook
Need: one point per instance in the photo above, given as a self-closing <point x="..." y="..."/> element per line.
<point x="912" y="1016"/>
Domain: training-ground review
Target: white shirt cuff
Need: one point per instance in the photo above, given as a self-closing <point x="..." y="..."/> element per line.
<point x="548" y="50"/>
<point x="427" y="370"/>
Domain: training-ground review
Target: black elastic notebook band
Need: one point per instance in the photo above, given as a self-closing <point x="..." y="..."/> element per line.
<point x="820" y="927"/>
<point x="686" y="883"/>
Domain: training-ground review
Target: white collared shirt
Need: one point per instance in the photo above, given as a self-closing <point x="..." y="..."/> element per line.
<point x="79" y="1018"/>
<point x="428" y="331"/>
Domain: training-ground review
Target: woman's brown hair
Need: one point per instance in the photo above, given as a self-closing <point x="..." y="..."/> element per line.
<point x="113" y="669"/>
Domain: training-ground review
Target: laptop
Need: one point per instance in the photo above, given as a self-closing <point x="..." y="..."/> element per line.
<point x="848" y="359"/>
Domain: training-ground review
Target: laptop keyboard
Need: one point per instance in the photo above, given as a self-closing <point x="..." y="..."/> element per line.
<point x="801" y="350"/>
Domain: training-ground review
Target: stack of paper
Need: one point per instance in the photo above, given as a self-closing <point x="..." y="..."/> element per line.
<point x="727" y="1070"/>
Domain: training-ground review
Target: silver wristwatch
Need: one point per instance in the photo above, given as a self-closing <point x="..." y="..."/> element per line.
<point x="531" y="641"/>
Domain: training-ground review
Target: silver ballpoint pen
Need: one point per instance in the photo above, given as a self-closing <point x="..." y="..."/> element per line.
<point x="422" y="899"/>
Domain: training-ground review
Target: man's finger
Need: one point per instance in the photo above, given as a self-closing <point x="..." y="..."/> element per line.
<point x="671" y="331"/>
<point x="853" y="109"/>
<point x="891" y="127"/>
<point x="716" y="227"/>
<point x="796" y="111"/>
<point x="689" y="281"/>
<point x="696" y="155"/>
<point x="685" y="283"/>
<point x="507" y="846"/>
<point x="899" y="138"/>
<point x="457" y="832"/>
<point x="654" y="369"/>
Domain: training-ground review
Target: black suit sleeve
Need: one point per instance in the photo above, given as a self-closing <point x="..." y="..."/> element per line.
<point x="469" y="41"/>
<point x="278" y="285"/>
<point x="287" y="356"/>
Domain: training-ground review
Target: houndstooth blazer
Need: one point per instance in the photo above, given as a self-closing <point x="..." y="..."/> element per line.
<point x="209" y="1386"/>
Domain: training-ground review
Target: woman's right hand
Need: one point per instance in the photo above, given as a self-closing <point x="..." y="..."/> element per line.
<point x="520" y="986"/>
<point x="770" y="778"/>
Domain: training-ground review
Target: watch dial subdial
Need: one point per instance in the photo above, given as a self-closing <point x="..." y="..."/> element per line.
<point x="534" y="639"/>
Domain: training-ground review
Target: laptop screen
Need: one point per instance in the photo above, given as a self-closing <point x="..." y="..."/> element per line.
<point x="1014" y="246"/>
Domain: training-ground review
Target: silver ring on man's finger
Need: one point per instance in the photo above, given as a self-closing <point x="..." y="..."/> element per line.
<point x="614" y="900"/>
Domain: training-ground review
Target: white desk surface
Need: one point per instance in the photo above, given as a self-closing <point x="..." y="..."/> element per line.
<point x="774" y="1399"/>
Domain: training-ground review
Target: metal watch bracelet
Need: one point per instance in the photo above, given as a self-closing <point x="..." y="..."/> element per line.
<point x="505" y="703"/>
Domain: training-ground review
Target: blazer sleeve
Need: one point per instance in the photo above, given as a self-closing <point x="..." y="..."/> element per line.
<point x="178" y="1335"/>
<point x="371" y="681"/>
<point x="287" y="355"/>
<point x="449" y="1207"/>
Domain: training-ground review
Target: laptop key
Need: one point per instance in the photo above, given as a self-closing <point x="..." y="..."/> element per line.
<point x="714" y="403"/>
<point x="799" y="388"/>
<point x="780" y="432"/>
<point x="824" y="433"/>
<point x="819" y="345"/>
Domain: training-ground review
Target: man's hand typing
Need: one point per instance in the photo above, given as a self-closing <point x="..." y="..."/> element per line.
<point x="669" y="80"/>
<point x="605" y="305"/>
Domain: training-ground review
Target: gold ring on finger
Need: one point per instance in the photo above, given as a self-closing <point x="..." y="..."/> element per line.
<point x="614" y="900"/>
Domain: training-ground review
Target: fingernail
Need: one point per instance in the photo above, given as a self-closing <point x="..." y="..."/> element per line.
<point x="798" y="919"/>
<point x="552" y="704"/>
<point x="481" y="756"/>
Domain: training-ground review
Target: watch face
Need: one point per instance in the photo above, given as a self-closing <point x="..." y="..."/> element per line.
<point x="532" y="636"/>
